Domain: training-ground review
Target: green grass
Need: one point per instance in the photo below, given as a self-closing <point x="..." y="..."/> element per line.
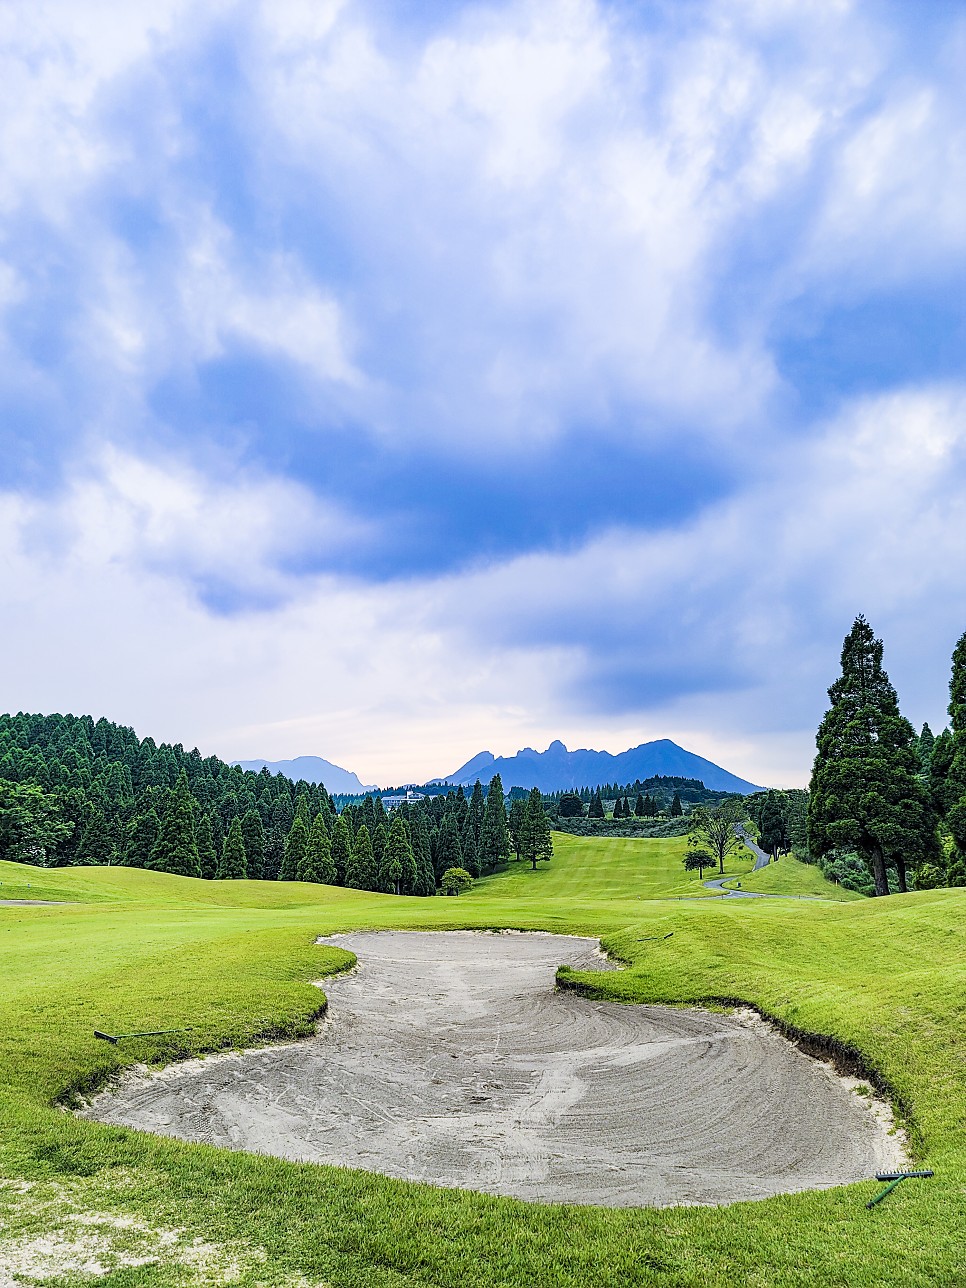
<point x="234" y="962"/>
<point x="790" y="876"/>
<point x="599" y="869"/>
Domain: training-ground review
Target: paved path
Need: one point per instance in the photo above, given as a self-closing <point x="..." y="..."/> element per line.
<point x="761" y="861"/>
<point x="31" y="903"/>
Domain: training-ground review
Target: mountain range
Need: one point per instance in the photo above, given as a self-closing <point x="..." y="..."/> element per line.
<point x="313" y="769"/>
<point x="556" y="769"/>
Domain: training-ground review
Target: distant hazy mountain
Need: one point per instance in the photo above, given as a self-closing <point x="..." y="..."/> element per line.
<point x="313" y="769"/>
<point x="557" y="768"/>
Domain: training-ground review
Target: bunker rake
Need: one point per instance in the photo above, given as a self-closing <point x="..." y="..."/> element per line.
<point x="114" y="1038"/>
<point x="894" y="1179"/>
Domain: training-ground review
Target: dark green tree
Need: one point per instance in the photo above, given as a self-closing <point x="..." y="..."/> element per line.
<point x="676" y="808"/>
<point x="253" y="836"/>
<point x="773" y="829"/>
<point x="317" y="862"/>
<point x="697" y="860"/>
<point x="295" y="843"/>
<point x="471" y="858"/>
<point x="596" y="807"/>
<point x="865" y="792"/>
<point x="538" y="838"/>
<point x="518" y="821"/>
<point x="496" y="834"/>
<point x="361" y="872"/>
<point x="176" y="850"/>
<point x="97" y="847"/>
<point x="341" y="849"/>
<point x="569" y="806"/>
<point x="207" y="856"/>
<point x="233" y="865"/>
<point x="142" y="834"/>
<point x="639" y="805"/>
<point x="924" y="746"/>
<point x="449" y="851"/>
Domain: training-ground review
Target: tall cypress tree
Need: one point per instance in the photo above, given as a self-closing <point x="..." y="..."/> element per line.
<point x="317" y="864"/>
<point x="496" y="834"/>
<point x="206" y="848"/>
<point x="233" y="866"/>
<point x="253" y="836"/>
<point x="361" y="872"/>
<point x="341" y="849"/>
<point x="176" y="850"/>
<point x="142" y="835"/>
<point x="676" y="808"/>
<point x="295" y="844"/>
<point x="471" y="858"/>
<point x="639" y="805"/>
<point x="517" y="823"/>
<point x="538" y="839"/>
<point x="449" y="851"/>
<point x="97" y="847"/>
<point x="956" y="776"/>
<point x="865" y="791"/>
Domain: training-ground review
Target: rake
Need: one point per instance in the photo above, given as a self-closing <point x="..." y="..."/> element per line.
<point x="114" y="1038"/>
<point x="894" y="1179"/>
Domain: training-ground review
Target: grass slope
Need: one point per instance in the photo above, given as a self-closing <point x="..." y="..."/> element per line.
<point x="790" y="876"/>
<point x="235" y="962"/>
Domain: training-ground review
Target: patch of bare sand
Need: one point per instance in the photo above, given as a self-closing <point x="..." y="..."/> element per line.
<point x="450" y="1057"/>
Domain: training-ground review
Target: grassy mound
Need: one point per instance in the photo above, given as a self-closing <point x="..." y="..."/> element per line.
<point x="790" y="876"/>
<point x="884" y="981"/>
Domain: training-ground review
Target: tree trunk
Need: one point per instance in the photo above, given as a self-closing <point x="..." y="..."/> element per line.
<point x="879" y="872"/>
<point x="901" y="872"/>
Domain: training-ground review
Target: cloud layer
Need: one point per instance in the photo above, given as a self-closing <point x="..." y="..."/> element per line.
<point x="382" y="384"/>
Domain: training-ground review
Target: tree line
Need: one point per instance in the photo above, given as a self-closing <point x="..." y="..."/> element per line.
<point x="78" y="791"/>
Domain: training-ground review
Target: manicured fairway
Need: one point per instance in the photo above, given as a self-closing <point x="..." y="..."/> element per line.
<point x="604" y="868"/>
<point x="234" y="961"/>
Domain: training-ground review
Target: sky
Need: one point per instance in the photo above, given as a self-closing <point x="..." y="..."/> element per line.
<point x="387" y="381"/>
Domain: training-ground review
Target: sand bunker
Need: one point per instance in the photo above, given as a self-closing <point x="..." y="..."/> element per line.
<point x="450" y="1058"/>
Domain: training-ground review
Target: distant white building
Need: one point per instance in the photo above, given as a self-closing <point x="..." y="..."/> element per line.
<point x="409" y="798"/>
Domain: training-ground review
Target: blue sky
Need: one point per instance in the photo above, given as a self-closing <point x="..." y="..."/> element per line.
<point x="387" y="381"/>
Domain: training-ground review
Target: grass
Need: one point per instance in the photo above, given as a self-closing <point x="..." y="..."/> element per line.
<point x="599" y="869"/>
<point x="790" y="876"/>
<point x="234" y="964"/>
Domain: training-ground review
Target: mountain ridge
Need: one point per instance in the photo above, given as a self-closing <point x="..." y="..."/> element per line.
<point x="313" y="769"/>
<point x="558" y="768"/>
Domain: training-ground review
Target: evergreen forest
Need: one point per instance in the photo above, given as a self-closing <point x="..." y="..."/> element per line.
<point x="79" y="791"/>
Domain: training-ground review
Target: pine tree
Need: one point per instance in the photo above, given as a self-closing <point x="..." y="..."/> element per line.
<point x="924" y="747"/>
<point x="517" y="823"/>
<point x="865" y="791"/>
<point x="956" y="777"/>
<point x="471" y="858"/>
<point x="97" y="847"/>
<point x="449" y="852"/>
<point x="233" y="865"/>
<point x="596" y="809"/>
<point x="253" y="835"/>
<point x="361" y="872"/>
<point x="317" y="862"/>
<point x="295" y="844"/>
<point x="142" y="835"/>
<point x="380" y="839"/>
<point x="206" y="848"/>
<point x="773" y="832"/>
<point x="538" y="839"/>
<point x="676" y="808"/>
<point x="496" y="834"/>
<point x="274" y="855"/>
<point x="341" y="849"/>
<point x="176" y="850"/>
